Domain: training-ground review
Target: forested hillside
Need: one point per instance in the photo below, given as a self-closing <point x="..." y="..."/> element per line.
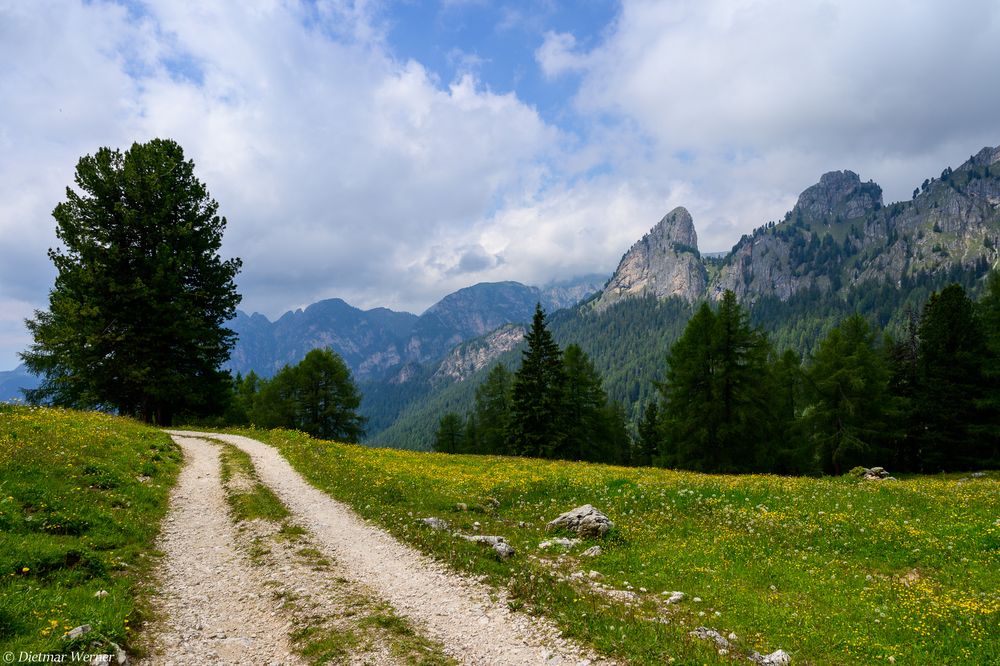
<point x="628" y="344"/>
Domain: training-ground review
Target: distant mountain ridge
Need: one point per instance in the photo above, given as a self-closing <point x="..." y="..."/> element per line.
<point x="374" y="342"/>
<point x="840" y="250"/>
<point x="12" y="382"/>
<point x="838" y="234"/>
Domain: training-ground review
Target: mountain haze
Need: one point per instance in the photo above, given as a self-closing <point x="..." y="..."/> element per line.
<point x="381" y="343"/>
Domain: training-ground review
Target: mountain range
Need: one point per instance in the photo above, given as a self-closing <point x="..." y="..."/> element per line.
<point x="375" y="341"/>
<point x="839" y="250"/>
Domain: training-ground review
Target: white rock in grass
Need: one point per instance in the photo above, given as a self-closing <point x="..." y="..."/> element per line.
<point x="562" y="543"/>
<point x="584" y="520"/>
<point x="434" y="523"/>
<point x="705" y="633"/>
<point x="76" y="632"/>
<point x="776" y="658"/>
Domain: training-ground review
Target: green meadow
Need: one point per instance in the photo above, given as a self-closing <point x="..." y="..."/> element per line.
<point x="81" y="498"/>
<point x="831" y="570"/>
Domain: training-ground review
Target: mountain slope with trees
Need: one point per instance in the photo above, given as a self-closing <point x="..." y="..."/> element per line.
<point x="798" y="279"/>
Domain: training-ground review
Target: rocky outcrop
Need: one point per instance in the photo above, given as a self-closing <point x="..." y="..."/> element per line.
<point x="664" y="263"/>
<point x="838" y="234"/>
<point x="585" y="520"/>
<point x="468" y="358"/>
<point x="839" y="193"/>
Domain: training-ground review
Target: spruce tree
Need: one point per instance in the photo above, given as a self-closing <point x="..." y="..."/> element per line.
<point x="326" y="397"/>
<point x="989" y="316"/>
<point x="848" y="382"/>
<point x="537" y="424"/>
<point x="788" y="455"/>
<point x="136" y="319"/>
<point x="951" y="383"/>
<point x="648" y="449"/>
<point x="717" y="410"/>
<point x="588" y="430"/>
<point x="492" y="413"/>
<point x="448" y="438"/>
<point x="745" y="426"/>
<point x="690" y="418"/>
<point x="316" y="396"/>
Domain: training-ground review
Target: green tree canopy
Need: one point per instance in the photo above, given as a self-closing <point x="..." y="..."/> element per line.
<point x="848" y="381"/>
<point x="136" y="317"/>
<point x="717" y="414"/>
<point x="492" y="415"/>
<point x="317" y="396"/>
<point x="951" y="387"/>
<point x="648" y="449"/>
<point x="587" y="429"/>
<point x="536" y="424"/>
<point x="449" y="436"/>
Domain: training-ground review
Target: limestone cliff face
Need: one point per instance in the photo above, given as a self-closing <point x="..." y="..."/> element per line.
<point x="839" y="193"/>
<point x="838" y="234"/>
<point x="665" y="262"/>
<point x="767" y="263"/>
<point x="466" y="359"/>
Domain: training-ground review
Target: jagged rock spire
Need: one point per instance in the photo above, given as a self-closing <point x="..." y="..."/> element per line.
<point x="664" y="263"/>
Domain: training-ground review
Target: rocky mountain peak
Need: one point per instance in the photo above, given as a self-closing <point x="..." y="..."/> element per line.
<point x="986" y="157"/>
<point x="664" y="263"/>
<point x="839" y="193"/>
<point x="676" y="226"/>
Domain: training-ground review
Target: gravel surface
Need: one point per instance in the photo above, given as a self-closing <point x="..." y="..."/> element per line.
<point x="214" y="608"/>
<point x="449" y="608"/>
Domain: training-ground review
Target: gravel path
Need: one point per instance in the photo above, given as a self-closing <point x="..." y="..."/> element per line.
<point x="451" y="609"/>
<point x="215" y="607"/>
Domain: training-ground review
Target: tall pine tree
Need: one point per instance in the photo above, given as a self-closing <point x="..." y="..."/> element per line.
<point x="717" y="411"/>
<point x="951" y="384"/>
<point x="136" y="319"/>
<point x="848" y="381"/>
<point x="587" y="434"/>
<point x="537" y="427"/>
<point x="492" y="415"/>
<point x="648" y="449"/>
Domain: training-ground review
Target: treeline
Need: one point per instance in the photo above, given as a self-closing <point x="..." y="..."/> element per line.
<point x="552" y="406"/>
<point x="924" y="401"/>
<point x="317" y="396"/>
<point x="927" y="402"/>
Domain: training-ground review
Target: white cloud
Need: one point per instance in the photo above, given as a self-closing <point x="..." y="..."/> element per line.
<point x="345" y="172"/>
<point x="338" y="168"/>
<point x="751" y="100"/>
<point x="557" y="55"/>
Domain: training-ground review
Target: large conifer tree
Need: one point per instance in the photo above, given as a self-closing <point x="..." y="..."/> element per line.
<point x="848" y="381"/>
<point x="717" y="411"/>
<point x="588" y="431"/>
<point x="537" y="398"/>
<point x="492" y="413"/>
<point x="948" y="400"/>
<point x="136" y="317"/>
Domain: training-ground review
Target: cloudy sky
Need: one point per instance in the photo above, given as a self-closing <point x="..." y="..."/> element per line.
<point x="389" y="152"/>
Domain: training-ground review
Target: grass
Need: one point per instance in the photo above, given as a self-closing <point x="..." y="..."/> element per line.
<point x="81" y="498"/>
<point x="248" y="498"/>
<point x="834" y="571"/>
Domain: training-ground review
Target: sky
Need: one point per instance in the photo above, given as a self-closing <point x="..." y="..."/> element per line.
<point x="389" y="152"/>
